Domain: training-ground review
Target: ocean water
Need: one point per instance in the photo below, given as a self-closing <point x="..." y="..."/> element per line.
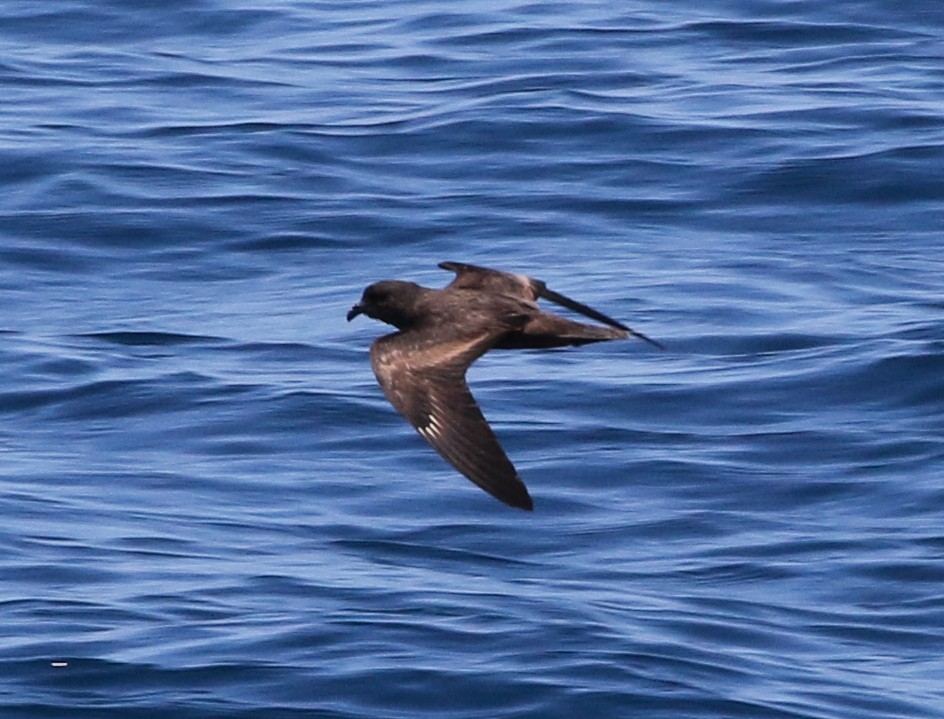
<point x="209" y="509"/>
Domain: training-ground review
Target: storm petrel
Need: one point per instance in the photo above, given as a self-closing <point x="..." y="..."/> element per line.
<point x="422" y="367"/>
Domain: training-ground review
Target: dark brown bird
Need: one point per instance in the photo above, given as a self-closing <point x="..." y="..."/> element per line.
<point x="422" y="367"/>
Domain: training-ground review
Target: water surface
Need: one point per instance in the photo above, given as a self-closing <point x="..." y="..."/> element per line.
<point x="211" y="511"/>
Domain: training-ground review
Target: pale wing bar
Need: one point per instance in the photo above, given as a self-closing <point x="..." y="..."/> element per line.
<point x="475" y="276"/>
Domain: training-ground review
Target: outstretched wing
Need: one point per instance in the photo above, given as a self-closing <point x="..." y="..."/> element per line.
<point x="531" y="289"/>
<point x="426" y="384"/>
<point x="485" y="279"/>
<point x="570" y="304"/>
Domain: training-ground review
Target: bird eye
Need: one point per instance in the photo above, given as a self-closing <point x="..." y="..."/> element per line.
<point x="375" y="295"/>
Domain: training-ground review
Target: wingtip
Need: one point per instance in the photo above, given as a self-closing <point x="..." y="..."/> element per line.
<point x="510" y="490"/>
<point x="644" y="338"/>
<point x="518" y="500"/>
<point x="526" y="504"/>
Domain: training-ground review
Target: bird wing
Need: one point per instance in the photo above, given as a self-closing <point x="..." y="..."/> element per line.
<point x="483" y="278"/>
<point x="426" y="384"/>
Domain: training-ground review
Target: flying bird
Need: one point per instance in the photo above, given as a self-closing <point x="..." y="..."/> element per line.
<point x="421" y="367"/>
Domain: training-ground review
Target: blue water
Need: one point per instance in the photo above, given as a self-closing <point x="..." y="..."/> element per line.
<point x="208" y="508"/>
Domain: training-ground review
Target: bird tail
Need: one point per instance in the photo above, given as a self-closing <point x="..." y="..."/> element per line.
<point x="547" y="330"/>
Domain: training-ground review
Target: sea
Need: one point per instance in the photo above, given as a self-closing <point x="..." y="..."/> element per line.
<point x="208" y="510"/>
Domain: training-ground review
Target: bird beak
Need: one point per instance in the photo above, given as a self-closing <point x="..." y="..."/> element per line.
<point x="354" y="312"/>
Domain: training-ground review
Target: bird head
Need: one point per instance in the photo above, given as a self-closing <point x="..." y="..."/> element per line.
<point x="390" y="301"/>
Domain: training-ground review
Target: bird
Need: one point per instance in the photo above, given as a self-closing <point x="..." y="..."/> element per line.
<point x="440" y="332"/>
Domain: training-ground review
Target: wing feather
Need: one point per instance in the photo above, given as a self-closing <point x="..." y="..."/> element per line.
<point x="427" y="386"/>
<point x="485" y="279"/>
<point x="531" y="289"/>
